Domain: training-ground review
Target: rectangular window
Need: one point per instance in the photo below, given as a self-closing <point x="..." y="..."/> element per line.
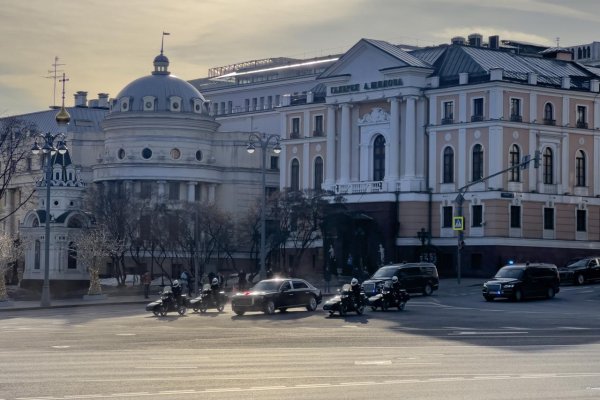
<point x="295" y="127"/>
<point x="222" y="109"/>
<point x="447" y="217"/>
<point x="173" y="190"/>
<point x="215" y="108"/>
<point x="448" y="116"/>
<point x="318" y="125"/>
<point x="270" y="102"/>
<point x="548" y="218"/>
<point x="476" y="216"/>
<point x="582" y="117"/>
<point x="477" y="110"/>
<point x="254" y="104"/>
<point x="515" y="110"/>
<point x="277" y="100"/>
<point x="581" y="220"/>
<point x="197" y="192"/>
<point x="515" y="216"/>
<point x="262" y="103"/>
<point x="274" y="162"/>
<point x="145" y="190"/>
<point x="246" y="105"/>
<point x="229" y="107"/>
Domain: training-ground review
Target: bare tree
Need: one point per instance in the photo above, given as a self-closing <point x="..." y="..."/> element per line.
<point x="90" y="246"/>
<point x="11" y="250"/>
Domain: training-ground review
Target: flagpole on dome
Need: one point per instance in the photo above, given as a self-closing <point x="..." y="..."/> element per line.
<point x="162" y="42"/>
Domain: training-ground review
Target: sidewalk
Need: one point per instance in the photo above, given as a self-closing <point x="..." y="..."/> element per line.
<point x="447" y="285"/>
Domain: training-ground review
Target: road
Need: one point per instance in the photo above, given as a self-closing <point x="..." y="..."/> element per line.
<point x="452" y="345"/>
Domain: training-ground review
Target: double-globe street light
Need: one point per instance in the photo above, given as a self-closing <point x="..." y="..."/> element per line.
<point x="49" y="149"/>
<point x="263" y="140"/>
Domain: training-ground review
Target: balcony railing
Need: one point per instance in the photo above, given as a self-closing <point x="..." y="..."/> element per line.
<point x="359" y="187"/>
<point x="476" y="118"/>
<point x="447" y="121"/>
<point x="294" y="135"/>
<point x="549" y="122"/>
<point x="516" y="118"/>
<point x="318" y="133"/>
<point x="582" y="125"/>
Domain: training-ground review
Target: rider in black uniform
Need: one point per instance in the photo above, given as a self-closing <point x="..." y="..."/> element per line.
<point x="214" y="291"/>
<point x="355" y="291"/>
<point x="176" y="289"/>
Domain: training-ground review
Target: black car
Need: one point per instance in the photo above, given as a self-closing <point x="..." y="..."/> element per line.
<point x="413" y="277"/>
<point x="277" y="294"/>
<point x="581" y="271"/>
<point x="520" y="281"/>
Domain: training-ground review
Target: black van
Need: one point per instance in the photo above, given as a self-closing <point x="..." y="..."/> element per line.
<point x="413" y="277"/>
<point x="520" y="281"/>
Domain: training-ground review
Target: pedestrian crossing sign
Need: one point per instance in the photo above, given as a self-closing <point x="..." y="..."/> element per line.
<point x="458" y="223"/>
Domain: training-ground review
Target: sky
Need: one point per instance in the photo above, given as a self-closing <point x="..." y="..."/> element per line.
<point x="104" y="45"/>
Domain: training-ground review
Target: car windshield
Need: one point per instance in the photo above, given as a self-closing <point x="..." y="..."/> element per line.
<point x="514" y="273"/>
<point x="266" y="286"/>
<point x="383" y="273"/>
<point x="580" y="263"/>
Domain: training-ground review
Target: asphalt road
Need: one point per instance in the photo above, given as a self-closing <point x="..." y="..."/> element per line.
<point x="452" y="345"/>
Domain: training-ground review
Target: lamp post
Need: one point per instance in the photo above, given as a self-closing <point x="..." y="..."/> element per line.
<point x="263" y="140"/>
<point x="48" y="149"/>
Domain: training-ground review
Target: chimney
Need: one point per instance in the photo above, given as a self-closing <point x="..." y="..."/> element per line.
<point x="103" y="100"/>
<point x="458" y="40"/>
<point x="80" y="99"/>
<point x="475" y="40"/>
<point x="494" y="42"/>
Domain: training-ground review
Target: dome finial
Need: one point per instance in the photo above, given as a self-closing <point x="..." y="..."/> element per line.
<point x="63" y="117"/>
<point x="161" y="62"/>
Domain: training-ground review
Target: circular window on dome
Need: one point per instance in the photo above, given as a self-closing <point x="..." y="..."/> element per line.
<point x="124" y="106"/>
<point x="175" y="154"/>
<point x="197" y="107"/>
<point x="199" y="155"/>
<point x="121" y="154"/>
<point x="148" y="105"/>
<point x="146" y="153"/>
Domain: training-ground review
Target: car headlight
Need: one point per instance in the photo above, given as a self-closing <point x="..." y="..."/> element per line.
<point x="509" y="286"/>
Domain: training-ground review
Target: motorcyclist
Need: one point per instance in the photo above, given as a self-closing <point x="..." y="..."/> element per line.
<point x="396" y="287"/>
<point x="177" y="290"/>
<point x="214" y="290"/>
<point x="355" y="291"/>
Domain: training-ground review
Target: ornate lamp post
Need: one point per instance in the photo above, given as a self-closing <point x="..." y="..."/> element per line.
<point x="49" y="149"/>
<point x="263" y="140"/>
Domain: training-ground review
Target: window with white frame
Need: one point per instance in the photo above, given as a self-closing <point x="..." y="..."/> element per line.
<point x="477" y="163"/>
<point x="515" y="160"/>
<point x="548" y="165"/>
<point x="448" y="174"/>
<point x="580" y="168"/>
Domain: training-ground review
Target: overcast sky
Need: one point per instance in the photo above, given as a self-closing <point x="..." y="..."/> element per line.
<point x="105" y="44"/>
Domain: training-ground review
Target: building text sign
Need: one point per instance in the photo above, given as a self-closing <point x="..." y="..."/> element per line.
<point x="366" y="86"/>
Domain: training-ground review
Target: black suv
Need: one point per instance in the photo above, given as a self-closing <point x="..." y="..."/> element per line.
<point x="519" y="281"/>
<point x="413" y="277"/>
<point x="579" y="272"/>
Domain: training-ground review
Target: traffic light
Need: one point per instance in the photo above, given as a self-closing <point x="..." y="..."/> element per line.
<point x="536" y="159"/>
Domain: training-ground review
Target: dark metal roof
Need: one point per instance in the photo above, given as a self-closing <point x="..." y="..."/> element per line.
<point x="398" y="53"/>
<point x="429" y="54"/>
<point x="83" y="119"/>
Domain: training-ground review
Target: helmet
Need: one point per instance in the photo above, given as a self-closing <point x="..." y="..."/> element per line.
<point x="354" y="282"/>
<point x="394" y="279"/>
<point x="215" y="281"/>
<point x="175" y="283"/>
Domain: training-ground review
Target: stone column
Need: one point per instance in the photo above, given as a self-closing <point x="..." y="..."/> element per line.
<point x="346" y="136"/>
<point x="211" y="193"/>
<point x="161" y="189"/>
<point x="394" y="155"/>
<point x="191" y="191"/>
<point x="410" y="150"/>
<point x="330" y="156"/>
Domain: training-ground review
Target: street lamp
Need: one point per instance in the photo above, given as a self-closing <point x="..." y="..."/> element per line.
<point x="263" y="140"/>
<point x="49" y="149"/>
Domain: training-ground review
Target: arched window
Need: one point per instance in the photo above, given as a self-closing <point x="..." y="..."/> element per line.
<point x="448" y="165"/>
<point x="379" y="158"/>
<point x="72" y="256"/>
<point x="548" y="113"/>
<point x="515" y="159"/>
<point x="548" y="167"/>
<point x="36" y="262"/>
<point x="580" y="168"/>
<point x="477" y="163"/>
<point x="295" y="181"/>
<point x="318" y="173"/>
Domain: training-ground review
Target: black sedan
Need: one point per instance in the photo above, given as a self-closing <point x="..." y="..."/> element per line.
<point x="277" y="294"/>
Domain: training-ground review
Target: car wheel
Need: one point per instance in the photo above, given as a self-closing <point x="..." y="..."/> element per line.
<point x="550" y="293"/>
<point x="427" y="290"/>
<point x="579" y="279"/>
<point x="312" y="304"/>
<point x="269" y="307"/>
<point x="488" y="298"/>
<point x="518" y="295"/>
<point x="238" y="312"/>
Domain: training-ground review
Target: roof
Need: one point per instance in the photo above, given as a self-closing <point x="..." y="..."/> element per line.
<point x="398" y="53"/>
<point x="83" y="119"/>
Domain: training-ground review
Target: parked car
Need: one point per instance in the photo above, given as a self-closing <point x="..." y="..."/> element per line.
<point x="413" y="277"/>
<point x="520" y="281"/>
<point x="277" y="294"/>
<point x="581" y="271"/>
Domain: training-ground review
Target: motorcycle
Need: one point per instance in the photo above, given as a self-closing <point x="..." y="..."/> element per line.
<point x="387" y="298"/>
<point x="167" y="302"/>
<point x="344" y="302"/>
<point x="206" y="300"/>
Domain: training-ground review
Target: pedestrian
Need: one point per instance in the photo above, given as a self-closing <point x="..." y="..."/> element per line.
<point x="241" y="280"/>
<point x="146" y="280"/>
<point x="221" y="279"/>
<point x="183" y="280"/>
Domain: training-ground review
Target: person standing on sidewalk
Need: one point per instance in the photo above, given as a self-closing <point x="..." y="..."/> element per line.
<point x="146" y="280"/>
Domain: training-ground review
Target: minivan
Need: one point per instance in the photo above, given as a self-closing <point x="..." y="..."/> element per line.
<point x="413" y="277"/>
<point x="520" y="281"/>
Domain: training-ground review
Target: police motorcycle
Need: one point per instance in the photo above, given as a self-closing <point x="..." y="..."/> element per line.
<point x="169" y="301"/>
<point x="208" y="300"/>
<point x="346" y="301"/>
<point x="388" y="298"/>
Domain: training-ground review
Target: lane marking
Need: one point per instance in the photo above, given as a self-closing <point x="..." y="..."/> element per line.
<point x="125" y="334"/>
<point x="488" y="333"/>
<point x="381" y="362"/>
<point x="59" y="347"/>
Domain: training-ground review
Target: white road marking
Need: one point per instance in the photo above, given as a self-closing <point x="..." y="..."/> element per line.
<point x="60" y="347"/>
<point x="126" y="334"/>
<point x="376" y="362"/>
<point x="488" y="333"/>
<point x="170" y="367"/>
